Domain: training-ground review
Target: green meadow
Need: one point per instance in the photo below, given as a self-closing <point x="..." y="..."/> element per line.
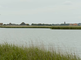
<point x="13" y="52"/>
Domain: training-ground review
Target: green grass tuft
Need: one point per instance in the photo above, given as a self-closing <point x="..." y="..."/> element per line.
<point x="12" y="52"/>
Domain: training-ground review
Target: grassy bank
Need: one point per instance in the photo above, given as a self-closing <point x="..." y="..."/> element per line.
<point x="12" y="52"/>
<point x="51" y="27"/>
<point x="66" y="27"/>
<point x="25" y="26"/>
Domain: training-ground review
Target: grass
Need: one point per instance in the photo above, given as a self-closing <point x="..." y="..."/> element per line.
<point x="25" y="26"/>
<point x="66" y="27"/>
<point x="12" y="52"/>
<point x="51" y="27"/>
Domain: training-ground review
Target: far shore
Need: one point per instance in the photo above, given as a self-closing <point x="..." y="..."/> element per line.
<point x="51" y="27"/>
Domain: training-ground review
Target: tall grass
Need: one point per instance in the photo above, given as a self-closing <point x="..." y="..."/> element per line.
<point x="66" y="27"/>
<point x="12" y="52"/>
<point x="52" y="27"/>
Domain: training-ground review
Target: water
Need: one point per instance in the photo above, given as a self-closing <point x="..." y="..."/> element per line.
<point x="66" y="40"/>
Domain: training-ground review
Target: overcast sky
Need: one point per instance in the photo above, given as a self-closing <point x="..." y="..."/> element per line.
<point x="40" y="11"/>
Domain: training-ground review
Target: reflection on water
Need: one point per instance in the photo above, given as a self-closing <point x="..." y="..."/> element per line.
<point x="69" y="40"/>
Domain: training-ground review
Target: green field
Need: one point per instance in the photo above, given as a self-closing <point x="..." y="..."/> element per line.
<point x="12" y="52"/>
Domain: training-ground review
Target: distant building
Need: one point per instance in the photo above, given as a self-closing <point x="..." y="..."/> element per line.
<point x="74" y="24"/>
<point x="1" y="23"/>
<point x="64" y="22"/>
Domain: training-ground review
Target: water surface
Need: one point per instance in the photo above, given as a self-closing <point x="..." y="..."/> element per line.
<point x="68" y="40"/>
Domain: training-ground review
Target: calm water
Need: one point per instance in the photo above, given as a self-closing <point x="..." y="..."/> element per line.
<point x="68" y="40"/>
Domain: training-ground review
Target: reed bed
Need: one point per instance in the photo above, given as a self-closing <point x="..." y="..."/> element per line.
<point x="13" y="52"/>
<point x="66" y="27"/>
<point x="51" y="27"/>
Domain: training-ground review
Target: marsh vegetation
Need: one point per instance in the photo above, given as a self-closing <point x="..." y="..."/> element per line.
<point x="13" y="52"/>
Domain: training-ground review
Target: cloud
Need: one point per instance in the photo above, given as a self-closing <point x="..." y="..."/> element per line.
<point x="53" y="9"/>
<point x="1" y="6"/>
<point x="57" y="9"/>
<point x="26" y="0"/>
<point x="68" y="3"/>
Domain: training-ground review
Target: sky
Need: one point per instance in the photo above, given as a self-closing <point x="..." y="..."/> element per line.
<point x="40" y="11"/>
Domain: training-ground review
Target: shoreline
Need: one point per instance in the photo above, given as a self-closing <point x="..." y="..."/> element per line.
<point x="50" y="27"/>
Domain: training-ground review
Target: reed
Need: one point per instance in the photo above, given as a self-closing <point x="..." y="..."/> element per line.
<point x="13" y="52"/>
<point x="66" y="27"/>
<point x="51" y="27"/>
